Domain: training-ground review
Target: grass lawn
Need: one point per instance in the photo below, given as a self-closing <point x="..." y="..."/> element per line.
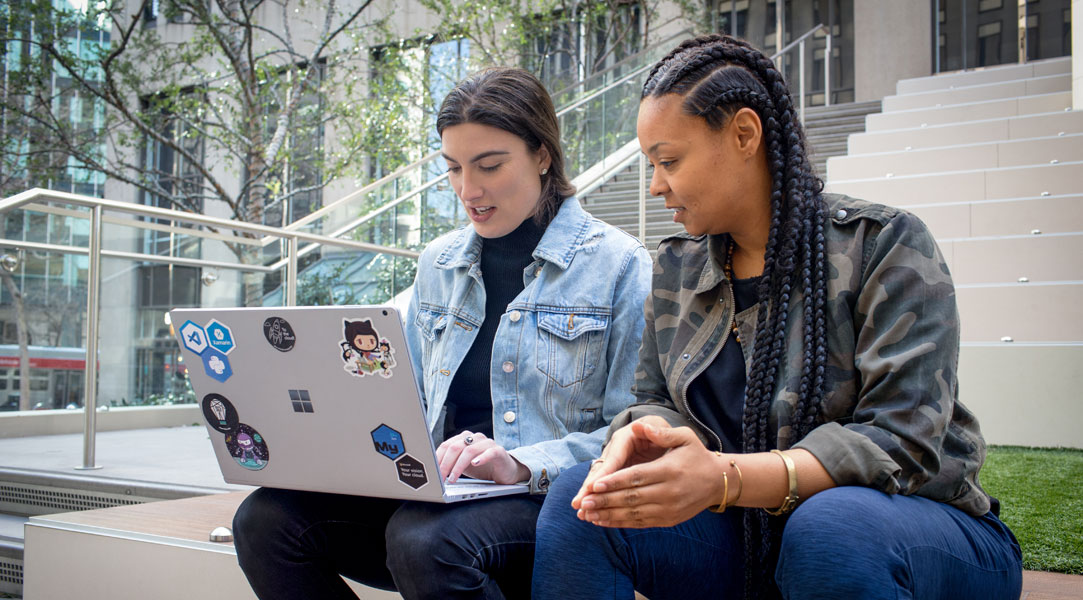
<point x="1039" y="491"/>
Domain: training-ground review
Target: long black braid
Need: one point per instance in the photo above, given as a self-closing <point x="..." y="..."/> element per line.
<point x="717" y="75"/>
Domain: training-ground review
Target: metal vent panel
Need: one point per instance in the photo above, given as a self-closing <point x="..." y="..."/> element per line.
<point x="37" y="500"/>
<point x="11" y="576"/>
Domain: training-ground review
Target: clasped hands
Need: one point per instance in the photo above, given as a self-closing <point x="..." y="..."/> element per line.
<point x="479" y="456"/>
<point x="650" y="475"/>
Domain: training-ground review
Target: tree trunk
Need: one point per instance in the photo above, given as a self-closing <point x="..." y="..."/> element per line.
<point x="24" y="339"/>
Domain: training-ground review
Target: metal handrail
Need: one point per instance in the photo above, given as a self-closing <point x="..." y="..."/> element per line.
<point x="800" y="44"/>
<point x="94" y="252"/>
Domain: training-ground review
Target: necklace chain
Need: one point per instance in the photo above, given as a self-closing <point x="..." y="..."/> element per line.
<point x="727" y="268"/>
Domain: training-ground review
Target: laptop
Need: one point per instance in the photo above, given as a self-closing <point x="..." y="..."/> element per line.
<point x="317" y="398"/>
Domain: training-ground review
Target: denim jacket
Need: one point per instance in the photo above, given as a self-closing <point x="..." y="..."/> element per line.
<point x="564" y="354"/>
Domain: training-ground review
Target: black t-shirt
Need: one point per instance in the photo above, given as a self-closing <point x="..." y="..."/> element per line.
<point x="469" y="398"/>
<point x="717" y="396"/>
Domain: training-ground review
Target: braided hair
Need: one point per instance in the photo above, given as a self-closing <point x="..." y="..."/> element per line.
<point x="717" y="75"/>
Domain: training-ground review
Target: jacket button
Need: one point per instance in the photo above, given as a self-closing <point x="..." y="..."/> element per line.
<point x="509" y="417"/>
<point x="686" y="356"/>
<point x="841" y="214"/>
<point x="515" y="316"/>
<point x="508" y="366"/>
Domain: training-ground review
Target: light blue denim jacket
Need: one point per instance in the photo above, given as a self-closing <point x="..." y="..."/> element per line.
<point x="566" y="348"/>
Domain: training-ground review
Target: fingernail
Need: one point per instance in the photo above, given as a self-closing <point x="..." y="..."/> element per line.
<point x="587" y="504"/>
<point x="475" y="461"/>
<point x="599" y="487"/>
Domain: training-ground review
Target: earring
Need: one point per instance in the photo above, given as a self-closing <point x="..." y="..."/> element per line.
<point x="544" y="171"/>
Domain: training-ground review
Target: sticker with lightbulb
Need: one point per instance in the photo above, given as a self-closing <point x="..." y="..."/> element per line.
<point x="243" y="442"/>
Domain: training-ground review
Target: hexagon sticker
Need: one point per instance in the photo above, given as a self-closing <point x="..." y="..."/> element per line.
<point x="193" y="337"/>
<point x="217" y="365"/>
<point x="220" y="337"/>
<point x="388" y="442"/>
<point x="411" y="472"/>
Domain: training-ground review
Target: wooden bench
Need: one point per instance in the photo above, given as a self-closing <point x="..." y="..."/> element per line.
<point x="158" y="550"/>
<point x="161" y="550"/>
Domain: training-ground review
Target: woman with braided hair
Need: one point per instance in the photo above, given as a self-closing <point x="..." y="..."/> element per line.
<point x="798" y="368"/>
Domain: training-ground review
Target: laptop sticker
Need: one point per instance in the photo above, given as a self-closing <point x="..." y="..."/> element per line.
<point x="193" y="337"/>
<point x="411" y="472"/>
<point x="219" y="336"/>
<point x="388" y="442"/>
<point x="219" y="412"/>
<point x="301" y="401"/>
<point x="217" y="365"/>
<point x="279" y="334"/>
<point x="364" y="352"/>
<point x="248" y="447"/>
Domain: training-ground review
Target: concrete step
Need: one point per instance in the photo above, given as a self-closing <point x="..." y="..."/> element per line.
<point x="983" y="75"/>
<point x="976" y="93"/>
<point x="973" y="111"/>
<point x="814" y="114"/>
<point x="1019" y="216"/>
<point x="1005" y="260"/>
<point x="949" y="134"/>
<point x="1025" y="312"/>
<point x="985" y="155"/>
<point x="1007" y="384"/>
<point x="966" y="186"/>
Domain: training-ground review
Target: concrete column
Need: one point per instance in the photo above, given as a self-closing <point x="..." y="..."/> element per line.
<point x="1077" y="54"/>
<point x="892" y="41"/>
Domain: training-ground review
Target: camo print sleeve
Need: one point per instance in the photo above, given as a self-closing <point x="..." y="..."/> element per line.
<point x="651" y="389"/>
<point x="906" y="432"/>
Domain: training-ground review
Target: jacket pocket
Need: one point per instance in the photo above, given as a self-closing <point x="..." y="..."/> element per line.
<point x="570" y="345"/>
<point x="431" y="323"/>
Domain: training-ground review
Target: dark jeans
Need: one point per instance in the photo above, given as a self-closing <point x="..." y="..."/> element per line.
<point x="296" y="544"/>
<point x="847" y="542"/>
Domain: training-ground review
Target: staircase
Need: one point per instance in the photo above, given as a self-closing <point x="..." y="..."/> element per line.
<point x="828" y="127"/>
<point x="617" y="202"/>
<point x="992" y="161"/>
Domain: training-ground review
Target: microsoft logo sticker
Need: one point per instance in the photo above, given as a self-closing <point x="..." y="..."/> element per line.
<point x="301" y="401"/>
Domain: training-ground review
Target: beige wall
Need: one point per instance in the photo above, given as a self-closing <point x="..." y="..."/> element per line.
<point x="892" y="42"/>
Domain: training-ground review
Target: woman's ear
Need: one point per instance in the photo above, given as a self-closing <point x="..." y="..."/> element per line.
<point x="748" y="131"/>
<point x="544" y="158"/>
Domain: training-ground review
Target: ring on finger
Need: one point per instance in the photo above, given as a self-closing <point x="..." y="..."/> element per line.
<point x="468" y="440"/>
<point x="596" y="462"/>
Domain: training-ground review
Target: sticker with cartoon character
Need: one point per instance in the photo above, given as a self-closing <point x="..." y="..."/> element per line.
<point x="247" y="447"/>
<point x="364" y="352"/>
<point x="243" y="442"/>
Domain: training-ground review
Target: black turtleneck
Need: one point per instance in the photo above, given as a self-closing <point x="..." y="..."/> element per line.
<point x="469" y="400"/>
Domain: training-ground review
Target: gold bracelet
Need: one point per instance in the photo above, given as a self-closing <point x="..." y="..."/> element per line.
<point x="721" y="507"/>
<point x="790" y="501"/>
<point x="740" y="482"/>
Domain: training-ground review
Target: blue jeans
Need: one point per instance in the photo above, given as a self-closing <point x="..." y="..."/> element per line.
<point x="294" y="544"/>
<point x="847" y="542"/>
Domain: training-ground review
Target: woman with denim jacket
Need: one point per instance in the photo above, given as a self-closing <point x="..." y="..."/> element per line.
<point x="797" y="432"/>
<point x="523" y="329"/>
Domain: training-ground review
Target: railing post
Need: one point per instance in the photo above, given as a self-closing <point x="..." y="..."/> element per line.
<point x="827" y="70"/>
<point x="643" y="198"/>
<point x="90" y="398"/>
<point x="291" y="271"/>
<point x="801" y="76"/>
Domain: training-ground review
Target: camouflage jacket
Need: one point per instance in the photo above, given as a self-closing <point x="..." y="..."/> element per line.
<point x="890" y="416"/>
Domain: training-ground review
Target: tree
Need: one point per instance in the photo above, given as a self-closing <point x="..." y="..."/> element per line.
<point x="232" y="111"/>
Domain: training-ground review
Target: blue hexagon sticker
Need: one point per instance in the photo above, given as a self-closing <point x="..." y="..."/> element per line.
<point x="220" y="337"/>
<point x="217" y="365"/>
<point x="388" y="442"/>
<point x="193" y="337"/>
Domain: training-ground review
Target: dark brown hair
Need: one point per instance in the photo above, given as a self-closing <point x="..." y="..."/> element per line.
<point x="515" y="101"/>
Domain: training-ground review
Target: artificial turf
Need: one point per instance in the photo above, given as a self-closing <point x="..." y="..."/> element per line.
<point x="1039" y="491"/>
